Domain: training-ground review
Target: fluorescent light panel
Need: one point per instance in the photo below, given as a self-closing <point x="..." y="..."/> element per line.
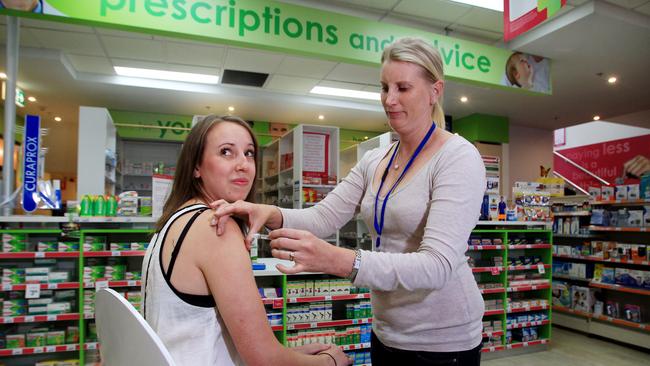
<point x="487" y="4"/>
<point x="347" y="93"/>
<point x="166" y="75"/>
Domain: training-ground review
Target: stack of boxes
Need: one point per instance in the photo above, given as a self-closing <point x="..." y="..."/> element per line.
<point x="12" y="243"/>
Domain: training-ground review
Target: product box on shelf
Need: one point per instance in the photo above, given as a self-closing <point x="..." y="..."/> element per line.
<point x="644" y="187"/>
<point x="633" y="193"/>
<point x="632" y="313"/>
<point x="561" y="294"/>
<point x="595" y="193"/>
<point x="607" y="193"/>
<point x="582" y="298"/>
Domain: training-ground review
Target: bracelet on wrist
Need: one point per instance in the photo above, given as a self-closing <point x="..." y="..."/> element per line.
<point x="332" y="357"/>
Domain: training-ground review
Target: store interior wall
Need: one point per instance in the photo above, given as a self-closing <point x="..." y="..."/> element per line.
<point x="598" y="131"/>
<point x="528" y="149"/>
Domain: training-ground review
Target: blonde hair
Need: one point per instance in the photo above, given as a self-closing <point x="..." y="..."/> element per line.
<point x="422" y="53"/>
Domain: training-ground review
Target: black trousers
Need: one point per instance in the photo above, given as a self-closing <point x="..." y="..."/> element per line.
<point x="387" y="356"/>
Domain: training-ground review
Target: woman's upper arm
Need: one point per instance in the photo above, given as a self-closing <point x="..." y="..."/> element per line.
<point x="226" y="267"/>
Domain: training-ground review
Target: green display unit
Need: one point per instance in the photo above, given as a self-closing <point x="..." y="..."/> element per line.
<point x="349" y="311"/>
<point x="513" y="270"/>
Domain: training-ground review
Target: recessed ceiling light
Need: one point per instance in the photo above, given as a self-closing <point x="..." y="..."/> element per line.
<point x="348" y="93"/>
<point x="464" y="99"/>
<point x="612" y="79"/>
<point x="31" y="99"/>
<point x="3" y="75"/>
<point x="231" y="109"/>
<point x="488" y="4"/>
<point x="596" y="117"/>
<point x="321" y="117"/>
<point x="166" y="75"/>
<point x="58" y="119"/>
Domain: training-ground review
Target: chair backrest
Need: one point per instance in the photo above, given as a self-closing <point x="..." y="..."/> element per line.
<point x="125" y="337"/>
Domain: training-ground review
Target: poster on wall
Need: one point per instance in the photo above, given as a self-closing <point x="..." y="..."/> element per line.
<point x="161" y="186"/>
<point x="315" y="154"/>
<point x="623" y="160"/>
<point x="519" y="16"/>
<point x="527" y="72"/>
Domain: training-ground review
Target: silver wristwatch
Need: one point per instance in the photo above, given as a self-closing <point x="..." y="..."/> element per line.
<point x="355" y="265"/>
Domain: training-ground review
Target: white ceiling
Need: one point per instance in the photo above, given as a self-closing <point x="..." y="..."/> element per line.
<point x="66" y="66"/>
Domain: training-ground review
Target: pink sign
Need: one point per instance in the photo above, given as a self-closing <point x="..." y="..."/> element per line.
<point x="607" y="160"/>
<point x="521" y="15"/>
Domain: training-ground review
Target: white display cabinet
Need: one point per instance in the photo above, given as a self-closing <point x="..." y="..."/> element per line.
<point x="348" y="160"/>
<point x="355" y="233"/>
<point x="138" y="160"/>
<point x="300" y="168"/>
<point x="270" y="158"/>
<point x="96" y="157"/>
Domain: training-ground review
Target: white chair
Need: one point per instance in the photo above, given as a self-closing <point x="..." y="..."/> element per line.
<point x="125" y="337"/>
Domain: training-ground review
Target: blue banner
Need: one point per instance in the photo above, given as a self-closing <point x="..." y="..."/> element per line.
<point x="31" y="149"/>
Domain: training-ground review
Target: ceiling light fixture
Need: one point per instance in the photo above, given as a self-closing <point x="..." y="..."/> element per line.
<point x="31" y="99"/>
<point x="347" y="93"/>
<point x="464" y="99"/>
<point x="321" y="117"/>
<point x="487" y="4"/>
<point x="231" y="109"/>
<point x="596" y="117"/>
<point x="166" y="75"/>
<point x="3" y="76"/>
<point x="58" y="119"/>
<point x="612" y="79"/>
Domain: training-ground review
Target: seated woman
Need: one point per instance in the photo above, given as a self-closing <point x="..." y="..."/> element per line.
<point x="199" y="291"/>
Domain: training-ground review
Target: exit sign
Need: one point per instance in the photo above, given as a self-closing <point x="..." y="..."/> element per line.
<point x="20" y="95"/>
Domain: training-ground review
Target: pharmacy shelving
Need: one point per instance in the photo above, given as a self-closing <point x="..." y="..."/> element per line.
<point x="329" y="324"/>
<point x="589" y="258"/>
<point x="269" y="275"/>
<point x="300" y="168"/>
<point x="355" y="234"/>
<point x="38" y="318"/>
<point x="139" y="160"/>
<point x="71" y="262"/>
<point x="595" y="249"/>
<point x="18" y="318"/>
<point x="510" y="285"/>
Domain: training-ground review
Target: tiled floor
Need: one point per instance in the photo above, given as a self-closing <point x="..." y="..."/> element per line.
<point x="576" y="349"/>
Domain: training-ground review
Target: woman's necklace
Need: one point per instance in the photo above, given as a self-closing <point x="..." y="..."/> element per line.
<point x="396" y="165"/>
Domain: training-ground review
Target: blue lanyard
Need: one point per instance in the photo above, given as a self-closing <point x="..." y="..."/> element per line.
<point x="379" y="225"/>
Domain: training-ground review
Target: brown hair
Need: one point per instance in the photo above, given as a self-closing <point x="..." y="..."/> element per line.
<point x="420" y="52"/>
<point x="511" y="69"/>
<point x="186" y="186"/>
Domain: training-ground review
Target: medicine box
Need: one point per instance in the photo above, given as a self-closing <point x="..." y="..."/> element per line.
<point x="607" y="193"/>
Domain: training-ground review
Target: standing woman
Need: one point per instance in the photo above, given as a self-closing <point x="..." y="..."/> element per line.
<point x="421" y="198"/>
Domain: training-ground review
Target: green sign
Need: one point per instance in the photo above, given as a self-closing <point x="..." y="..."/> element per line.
<point x="151" y="126"/>
<point x="20" y="95"/>
<point x="279" y="27"/>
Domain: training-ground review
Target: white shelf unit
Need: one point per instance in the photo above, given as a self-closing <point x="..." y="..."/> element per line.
<point x="269" y="173"/>
<point x="355" y="234"/>
<point x="601" y="249"/>
<point x="138" y="160"/>
<point x="282" y="170"/>
<point x="96" y="152"/>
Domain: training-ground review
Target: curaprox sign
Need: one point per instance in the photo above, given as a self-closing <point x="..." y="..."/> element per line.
<point x="31" y="148"/>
